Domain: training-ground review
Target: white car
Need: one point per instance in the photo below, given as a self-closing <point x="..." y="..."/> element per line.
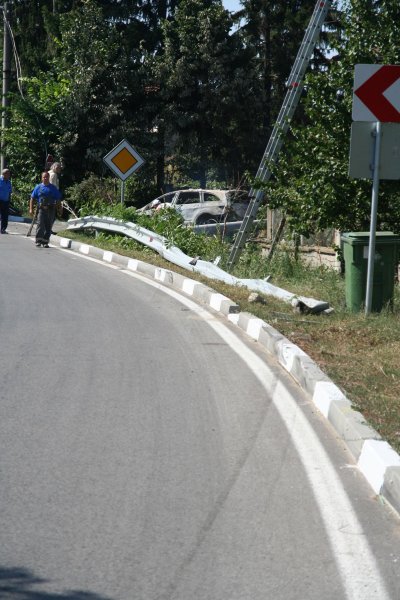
<point x="199" y="207"/>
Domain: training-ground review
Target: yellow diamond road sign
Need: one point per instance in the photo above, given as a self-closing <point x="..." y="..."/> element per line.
<point x="123" y="160"/>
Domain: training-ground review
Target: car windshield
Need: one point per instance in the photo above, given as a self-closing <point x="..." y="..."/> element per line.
<point x="166" y="197"/>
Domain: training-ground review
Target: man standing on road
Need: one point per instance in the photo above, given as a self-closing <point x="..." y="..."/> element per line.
<point x="47" y="197"/>
<point x="5" y="195"/>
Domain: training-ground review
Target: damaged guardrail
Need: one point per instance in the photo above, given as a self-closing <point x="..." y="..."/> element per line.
<point x="194" y="264"/>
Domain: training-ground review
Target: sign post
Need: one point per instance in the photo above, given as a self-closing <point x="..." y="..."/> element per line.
<point x="376" y="99"/>
<point x="123" y="160"/>
<point x="374" y="212"/>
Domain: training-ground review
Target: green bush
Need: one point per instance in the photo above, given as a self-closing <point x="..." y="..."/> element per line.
<point x="103" y="209"/>
<point x="20" y="198"/>
<point x="140" y="190"/>
<point x="167" y="223"/>
<point x="93" y="191"/>
<point x="99" y="192"/>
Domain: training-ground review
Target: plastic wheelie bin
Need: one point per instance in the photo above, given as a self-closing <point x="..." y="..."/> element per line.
<point x="355" y="246"/>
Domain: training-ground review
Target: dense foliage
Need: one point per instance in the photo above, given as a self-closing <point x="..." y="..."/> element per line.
<point x="312" y="182"/>
<point x="184" y="80"/>
<point x="196" y="90"/>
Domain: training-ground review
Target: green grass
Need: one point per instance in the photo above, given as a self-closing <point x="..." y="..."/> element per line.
<point x="360" y="354"/>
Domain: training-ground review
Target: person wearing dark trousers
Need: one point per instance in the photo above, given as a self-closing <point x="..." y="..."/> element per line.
<point x="48" y="199"/>
<point x="5" y="195"/>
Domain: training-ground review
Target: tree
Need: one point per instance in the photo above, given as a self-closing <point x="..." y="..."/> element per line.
<point x="69" y="108"/>
<point x="312" y="184"/>
<point x="35" y="24"/>
<point x="209" y="90"/>
<point x="93" y="51"/>
<point x="142" y="26"/>
<point x="275" y="29"/>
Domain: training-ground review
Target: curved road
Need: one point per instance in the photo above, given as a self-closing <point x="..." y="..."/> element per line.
<point x="150" y="451"/>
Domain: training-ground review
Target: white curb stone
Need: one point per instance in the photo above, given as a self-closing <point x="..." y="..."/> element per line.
<point x="326" y="392"/>
<point x="254" y="327"/>
<point x="376" y="456"/>
<point x="189" y="285"/>
<point x="133" y="264"/>
<point x="216" y="301"/>
<point x="108" y="256"/>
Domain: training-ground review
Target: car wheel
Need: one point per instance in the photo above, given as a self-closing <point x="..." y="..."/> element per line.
<point x="207" y="220"/>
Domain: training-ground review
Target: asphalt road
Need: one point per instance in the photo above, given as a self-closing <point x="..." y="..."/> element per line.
<point x="149" y="451"/>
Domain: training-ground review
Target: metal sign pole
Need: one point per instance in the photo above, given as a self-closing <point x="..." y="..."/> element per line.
<point x="374" y="210"/>
<point x="122" y="191"/>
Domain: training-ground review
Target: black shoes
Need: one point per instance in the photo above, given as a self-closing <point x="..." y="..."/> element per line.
<point x="4" y="231"/>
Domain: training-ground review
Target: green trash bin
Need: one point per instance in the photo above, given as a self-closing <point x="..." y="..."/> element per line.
<point x="355" y="253"/>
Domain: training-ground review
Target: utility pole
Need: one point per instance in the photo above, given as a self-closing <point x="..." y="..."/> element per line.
<point x="291" y="100"/>
<point x="6" y="79"/>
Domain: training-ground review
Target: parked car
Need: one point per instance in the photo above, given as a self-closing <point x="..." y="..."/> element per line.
<point x="199" y="207"/>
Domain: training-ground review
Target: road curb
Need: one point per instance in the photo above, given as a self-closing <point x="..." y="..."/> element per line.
<point x="375" y="458"/>
<point x="15" y="219"/>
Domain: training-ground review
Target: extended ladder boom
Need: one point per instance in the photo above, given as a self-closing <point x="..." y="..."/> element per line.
<point x="295" y="86"/>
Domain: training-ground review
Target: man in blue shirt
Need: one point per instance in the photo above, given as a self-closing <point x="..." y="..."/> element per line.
<point x="5" y="195"/>
<point x="48" y="198"/>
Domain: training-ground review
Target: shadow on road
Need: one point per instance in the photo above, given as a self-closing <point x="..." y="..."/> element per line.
<point x="18" y="584"/>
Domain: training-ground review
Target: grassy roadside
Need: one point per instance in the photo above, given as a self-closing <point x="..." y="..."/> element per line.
<point x="361" y="355"/>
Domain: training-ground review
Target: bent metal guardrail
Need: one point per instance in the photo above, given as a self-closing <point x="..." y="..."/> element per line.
<point x="194" y="264"/>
